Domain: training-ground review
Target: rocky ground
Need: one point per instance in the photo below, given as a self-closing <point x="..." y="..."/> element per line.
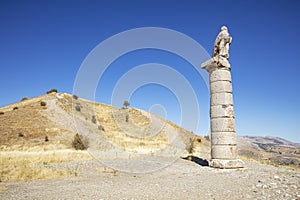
<point x="181" y="180"/>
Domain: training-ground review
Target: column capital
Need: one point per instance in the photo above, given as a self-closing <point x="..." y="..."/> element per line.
<point x="209" y="65"/>
<point x="212" y="64"/>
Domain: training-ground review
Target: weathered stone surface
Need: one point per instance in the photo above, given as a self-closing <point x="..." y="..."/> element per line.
<point x="224" y="151"/>
<point x="209" y="65"/>
<point x="221" y="48"/>
<point x="223" y="138"/>
<point x="220" y="86"/>
<point x="222" y="124"/>
<point x="226" y="164"/>
<point x="221" y="111"/>
<point x="221" y="99"/>
<point x="220" y="75"/>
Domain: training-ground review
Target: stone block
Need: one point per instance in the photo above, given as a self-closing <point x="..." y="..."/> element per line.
<point x="221" y="111"/>
<point x="221" y="99"/>
<point x="223" y="138"/>
<point x="220" y="75"/>
<point x="220" y="86"/>
<point x="222" y="125"/>
<point x="227" y="164"/>
<point x="223" y="151"/>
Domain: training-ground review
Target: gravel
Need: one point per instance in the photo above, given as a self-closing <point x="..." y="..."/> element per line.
<point x="181" y="180"/>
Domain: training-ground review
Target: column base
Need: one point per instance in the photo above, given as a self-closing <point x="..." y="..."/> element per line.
<point x="226" y="164"/>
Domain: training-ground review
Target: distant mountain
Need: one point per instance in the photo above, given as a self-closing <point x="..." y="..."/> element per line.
<point x="271" y="141"/>
<point x="270" y="149"/>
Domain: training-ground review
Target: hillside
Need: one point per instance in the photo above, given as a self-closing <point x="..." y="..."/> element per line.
<point x="49" y="123"/>
<point x="63" y="116"/>
<point x="271" y="150"/>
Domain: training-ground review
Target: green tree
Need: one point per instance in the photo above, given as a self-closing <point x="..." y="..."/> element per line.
<point x="126" y="103"/>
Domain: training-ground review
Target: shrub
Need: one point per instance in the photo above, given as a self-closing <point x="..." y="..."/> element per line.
<point x="190" y="146"/>
<point x="16" y="108"/>
<point x="78" y="108"/>
<point x="127" y="118"/>
<point x="43" y="103"/>
<point x="78" y="143"/>
<point x="94" y="120"/>
<point x="1" y="113"/>
<point x="52" y="91"/>
<point x="100" y="127"/>
<point x="75" y="96"/>
<point x="207" y="137"/>
<point x="126" y="103"/>
<point x="24" y="98"/>
<point x="21" y="134"/>
<point x="46" y="138"/>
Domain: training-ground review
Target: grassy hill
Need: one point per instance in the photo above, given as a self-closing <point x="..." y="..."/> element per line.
<point x="42" y="130"/>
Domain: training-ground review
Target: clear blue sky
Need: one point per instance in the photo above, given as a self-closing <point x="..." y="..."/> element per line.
<point x="43" y="43"/>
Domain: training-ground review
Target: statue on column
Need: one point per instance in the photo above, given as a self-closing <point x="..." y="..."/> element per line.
<point x="221" y="48"/>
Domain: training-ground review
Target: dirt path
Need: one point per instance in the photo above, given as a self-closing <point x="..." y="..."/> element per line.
<point x="181" y="180"/>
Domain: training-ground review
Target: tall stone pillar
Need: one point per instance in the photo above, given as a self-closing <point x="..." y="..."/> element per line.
<point x="222" y="123"/>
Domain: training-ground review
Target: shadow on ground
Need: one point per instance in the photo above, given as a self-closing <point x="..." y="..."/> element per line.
<point x="197" y="160"/>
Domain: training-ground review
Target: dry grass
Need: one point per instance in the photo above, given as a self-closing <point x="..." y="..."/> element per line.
<point x="24" y="166"/>
<point x="20" y="156"/>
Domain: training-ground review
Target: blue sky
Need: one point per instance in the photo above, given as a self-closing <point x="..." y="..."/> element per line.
<point x="43" y="44"/>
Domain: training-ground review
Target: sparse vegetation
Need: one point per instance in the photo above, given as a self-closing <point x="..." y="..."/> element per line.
<point x="207" y="137"/>
<point x="127" y="118"/>
<point x="24" y="98"/>
<point x="1" y="113"/>
<point x="75" y="96"/>
<point x="43" y="103"/>
<point x="100" y="127"/>
<point x="126" y="103"/>
<point x="94" y="120"/>
<point x="190" y="146"/>
<point x="46" y="138"/>
<point x="78" y="143"/>
<point x="21" y="134"/>
<point x="25" y="166"/>
<point x="52" y="91"/>
<point x="78" y="108"/>
<point x="16" y="108"/>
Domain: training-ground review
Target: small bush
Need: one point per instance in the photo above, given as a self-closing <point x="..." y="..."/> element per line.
<point x="127" y="118"/>
<point x="78" y="108"/>
<point x="52" y="91"/>
<point x="16" y="108"/>
<point x="46" y="138"/>
<point x="1" y="113"/>
<point x="100" y="127"/>
<point x="190" y="146"/>
<point x="207" y="137"/>
<point x="94" y="120"/>
<point x="43" y="103"/>
<point x="24" y="98"/>
<point x="75" y="96"/>
<point x="78" y="143"/>
<point x="21" y="134"/>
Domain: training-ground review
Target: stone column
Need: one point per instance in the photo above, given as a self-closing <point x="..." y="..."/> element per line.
<point x="222" y="124"/>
